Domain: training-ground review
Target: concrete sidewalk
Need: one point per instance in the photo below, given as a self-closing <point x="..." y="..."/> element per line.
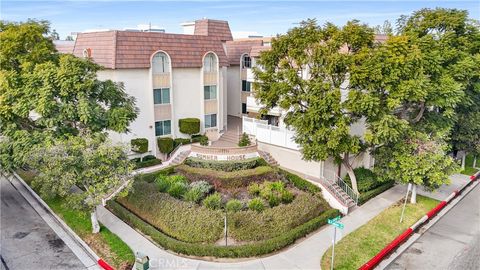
<point x="305" y="254"/>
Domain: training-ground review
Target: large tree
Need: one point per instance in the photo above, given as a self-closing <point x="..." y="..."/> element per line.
<point x="96" y="167"/>
<point x="304" y="73"/>
<point x="410" y="90"/>
<point x="46" y="96"/>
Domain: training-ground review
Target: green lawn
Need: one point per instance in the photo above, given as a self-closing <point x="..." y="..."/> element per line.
<point x="469" y="170"/>
<point x="358" y="247"/>
<point x="106" y="244"/>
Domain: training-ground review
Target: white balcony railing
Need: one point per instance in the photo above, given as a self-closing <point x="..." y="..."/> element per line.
<point x="254" y="106"/>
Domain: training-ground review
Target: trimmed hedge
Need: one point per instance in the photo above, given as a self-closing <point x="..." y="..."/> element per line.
<point x="165" y="145"/>
<point x="301" y="183"/>
<point x="181" y="141"/>
<point x="364" y="197"/>
<point x="147" y="163"/>
<point x="139" y="145"/>
<point x="242" y="251"/>
<point x="189" y="125"/>
<point x="228" y="180"/>
<point x="150" y="177"/>
<point x="199" y="138"/>
<point x="223" y="165"/>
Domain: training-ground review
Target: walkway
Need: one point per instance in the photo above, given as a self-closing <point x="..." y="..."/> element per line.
<point x="305" y="254"/>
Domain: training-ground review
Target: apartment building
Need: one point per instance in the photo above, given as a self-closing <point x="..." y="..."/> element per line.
<point x="172" y="76"/>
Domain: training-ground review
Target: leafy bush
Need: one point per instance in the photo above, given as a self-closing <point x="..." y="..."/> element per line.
<point x="241" y="251"/>
<point x="234" y="205"/>
<point x="149" y="157"/>
<point x="366" y="179"/>
<point x="244" y="140"/>
<point x="147" y="163"/>
<point x="199" y="138"/>
<point x="164" y="182"/>
<point x="300" y="183"/>
<point x="213" y="201"/>
<point x="181" y="141"/>
<point x="165" y="145"/>
<point x="254" y="189"/>
<point x="177" y="189"/>
<point x="182" y="220"/>
<point x="189" y="125"/>
<point x="139" y="145"/>
<point x="256" y="204"/>
<point x="228" y="180"/>
<point x="274" y="193"/>
<point x="364" y="197"/>
<point x="203" y="186"/>
<point x="223" y="165"/>
<point x="204" y="141"/>
<point x="193" y="195"/>
<point x="286" y="196"/>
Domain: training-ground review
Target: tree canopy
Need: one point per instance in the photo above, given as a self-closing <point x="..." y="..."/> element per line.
<point x="46" y="95"/>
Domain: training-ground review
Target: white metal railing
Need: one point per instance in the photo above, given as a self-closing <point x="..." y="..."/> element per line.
<point x="330" y="180"/>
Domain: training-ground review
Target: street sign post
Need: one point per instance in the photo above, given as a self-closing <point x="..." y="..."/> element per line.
<point x="336" y="224"/>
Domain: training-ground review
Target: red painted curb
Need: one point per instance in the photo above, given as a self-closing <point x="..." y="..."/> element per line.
<point x="386" y="250"/>
<point x="397" y="241"/>
<point x="105" y="265"/>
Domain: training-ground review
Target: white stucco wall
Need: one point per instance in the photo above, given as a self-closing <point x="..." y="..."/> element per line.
<point x="137" y="83"/>
<point x="234" y="91"/>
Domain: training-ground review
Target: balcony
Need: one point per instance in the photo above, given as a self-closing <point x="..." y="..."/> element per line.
<point x="250" y="76"/>
<point x="254" y="106"/>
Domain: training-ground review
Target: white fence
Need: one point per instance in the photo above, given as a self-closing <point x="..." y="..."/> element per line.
<point x="266" y="133"/>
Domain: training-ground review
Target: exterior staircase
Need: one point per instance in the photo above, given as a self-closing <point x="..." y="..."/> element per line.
<point x="231" y="136"/>
<point x="339" y="189"/>
<point x="268" y="158"/>
<point x="180" y="158"/>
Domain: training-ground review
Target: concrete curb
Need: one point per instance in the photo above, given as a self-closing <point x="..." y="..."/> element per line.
<point x="69" y="232"/>
<point x="373" y="262"/>
<point x="402" y="248"/>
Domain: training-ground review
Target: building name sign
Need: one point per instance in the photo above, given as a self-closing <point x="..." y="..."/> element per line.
<point x="225" y="157"/>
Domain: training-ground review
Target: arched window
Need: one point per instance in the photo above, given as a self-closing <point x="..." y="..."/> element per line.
<point x="210" y="63"/>
<point x="160" y="63"/>
<point x="246" y="61"/>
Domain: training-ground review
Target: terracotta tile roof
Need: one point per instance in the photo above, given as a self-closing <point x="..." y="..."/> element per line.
<point x="64" y="46"/>
<point x="213" y="28"/>
<point x="256" y="50"/>
<point x="128" y="49"/>
<point x="235" y="49"/>
<point x="381" y="38"/>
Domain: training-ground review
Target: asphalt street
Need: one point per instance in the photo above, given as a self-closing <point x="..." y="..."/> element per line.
<point x="27" y="242"/>
<point x="452" y="243"/>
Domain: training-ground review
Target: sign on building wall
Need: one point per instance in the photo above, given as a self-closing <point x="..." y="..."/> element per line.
<point x="224" y="157"/>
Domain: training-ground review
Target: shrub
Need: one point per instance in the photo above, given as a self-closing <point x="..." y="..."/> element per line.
<point x="234" y="205"/>
<point x="204" y="141"/>
<point x="139" y="145"/>
<point x="300" y="183"/>
<point x="181" y="141"/>
<point x="222" y="165"/>
<point x="272" y="192"/>
<point x="213" y="201"/>
<point x="177" y="189"/>
<point x="189" y="125"/>
<point x="240" y="251"/>
<point x="364" y="197"/>
<point x="199" y="138"/>
<point x="203" y="186"/>
<point x="244" y="140"/>
<point x="182" y="220"/>
<point x="149" y="157"/>
<point x="165" y="145"/>
<point x="286" y="196"/>
<point x="254" y="189"/>
<point x="256" y="204"/>
<point x="147" y="163"/>
<point x="151" y="177"/>
<point x="366" y="179"/>
<point x="165" y="182"/>
<point x="193" y="195"/>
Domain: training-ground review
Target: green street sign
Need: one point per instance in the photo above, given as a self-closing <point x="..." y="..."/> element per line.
<point x="334" y="222"/>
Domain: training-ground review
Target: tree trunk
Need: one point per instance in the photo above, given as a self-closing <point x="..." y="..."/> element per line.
<point x="463" y="160"/>
<point x="413" y="199"/>
<point x="474" y="161"/>
<point x="95" y="224"/>
<point x="350" y="173"/>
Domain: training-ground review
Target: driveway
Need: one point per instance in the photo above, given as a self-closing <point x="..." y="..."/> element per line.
<point x="452" y="243"/>
<point x="27" y="242"/>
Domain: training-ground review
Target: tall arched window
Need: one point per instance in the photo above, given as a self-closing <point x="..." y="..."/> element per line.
<point x="210" y="63"/>
<point x="246" y="61"/>
<point x="160" y="63"/>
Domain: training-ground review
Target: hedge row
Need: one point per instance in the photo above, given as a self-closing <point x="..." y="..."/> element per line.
<point x="228" y="180"/>
<point x="147" y="163"/>
<point x="242" y="251"/>
<point x="150" y="177"/>
<point x="189" y="125"/>
<point x="139" y="145"/>
<point x="364" y="197"/>
<point x="301" y="183"/>
<point x="224" y="165"/>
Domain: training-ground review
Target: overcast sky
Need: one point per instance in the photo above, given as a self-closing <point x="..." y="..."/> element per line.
<point x="245" y="17"/>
